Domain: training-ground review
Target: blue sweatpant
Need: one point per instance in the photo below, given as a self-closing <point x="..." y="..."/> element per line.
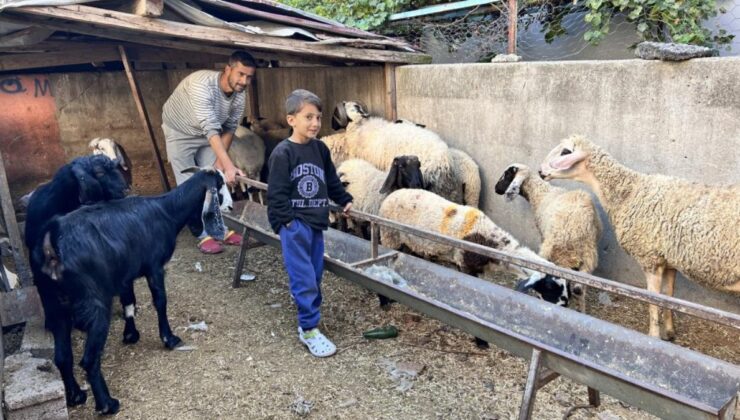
<point x="303" y="253"/>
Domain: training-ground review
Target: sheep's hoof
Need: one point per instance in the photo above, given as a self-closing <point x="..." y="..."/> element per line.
<point x="110" y="408"/>
<point x="172" y="341"/>
<point x="77" y="397"/>
<point x="131" y="337"/>
<point x="481" y="343"/>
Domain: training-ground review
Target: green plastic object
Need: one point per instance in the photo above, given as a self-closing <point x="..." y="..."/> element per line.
<point x="381" y="333"/>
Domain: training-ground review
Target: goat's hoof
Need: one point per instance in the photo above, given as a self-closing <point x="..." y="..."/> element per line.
<point x="171" y="342"/>
<point x="75" y="398"/>
<point x="131" y="337"/>
<point x="481" y="343"/>
<point x="111" y="407"/>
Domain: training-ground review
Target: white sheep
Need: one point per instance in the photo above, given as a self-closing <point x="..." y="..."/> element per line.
<point x="115" y="152"/>
<point x="665" y="223"/>
<point x="370" y="186"/>
<point x="430" y="212"/>
<point x="567" y="220"/>
<point x="378" y="141"/>
<point x="466" y="171"/>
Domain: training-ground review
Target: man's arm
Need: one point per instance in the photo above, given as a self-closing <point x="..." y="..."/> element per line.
<point x="220" y="145"/>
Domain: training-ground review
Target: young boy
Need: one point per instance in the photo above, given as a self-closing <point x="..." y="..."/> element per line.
<point x="301" y="182"/>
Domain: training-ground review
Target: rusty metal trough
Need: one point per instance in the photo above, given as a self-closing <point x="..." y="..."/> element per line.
<point x="659" y="377"/>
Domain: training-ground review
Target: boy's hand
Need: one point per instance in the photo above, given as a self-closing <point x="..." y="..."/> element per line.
<point x="347" y="207"/>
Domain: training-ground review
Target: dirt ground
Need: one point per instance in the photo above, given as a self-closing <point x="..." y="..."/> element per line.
<point x="250" y="364"/>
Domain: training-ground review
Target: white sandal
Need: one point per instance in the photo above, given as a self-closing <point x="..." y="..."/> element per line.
<point x="317" y="343"/>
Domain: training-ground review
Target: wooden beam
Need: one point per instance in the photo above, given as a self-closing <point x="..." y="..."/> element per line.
<point x="11" y="228"/>
<point x="145" y="27"/>
<point x="254" y="104"/>
<point x="148" y="8"/>
<point x="104" y="36"/>
<point x="513" y="19"/>
<point x="389" y="80"/>
<point x="87" y="55"/>
<point x="19" y="305"/>
<point x="139" y="100"/>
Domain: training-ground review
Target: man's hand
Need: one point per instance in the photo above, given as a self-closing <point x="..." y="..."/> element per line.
<point x="347" y="207"/>
<point x="231" y="172"/>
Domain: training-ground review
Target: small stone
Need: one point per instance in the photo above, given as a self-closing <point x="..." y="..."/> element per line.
<point x="186" y="348"/>
<point x="198" y="267"/>
<point x="672" y="52"/>
<point x="604" y="299"/>
<point x="347" y="403"/>
<point x="506" y="58"/>
<point x="607" y="415"/>
<point x="201" y="326"/>
<point x="247" y="277"/>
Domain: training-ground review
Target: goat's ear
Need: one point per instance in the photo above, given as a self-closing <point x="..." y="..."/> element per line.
<point x="391" y="183"/>
<point x="213" y="222"/>
<point x="191" y="170"/>
<point x="565" y="162"/>
<point x="88" y="186"/>
<point x="52" y="266"/>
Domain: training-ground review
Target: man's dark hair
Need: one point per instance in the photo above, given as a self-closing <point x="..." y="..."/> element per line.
<point x="243" y="57"/>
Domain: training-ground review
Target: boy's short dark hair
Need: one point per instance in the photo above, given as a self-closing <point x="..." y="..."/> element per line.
<point x="298" y="98"/>
<point x="243" y="57"/>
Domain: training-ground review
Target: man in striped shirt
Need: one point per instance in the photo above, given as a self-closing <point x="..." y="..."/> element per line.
<point x="199" y="120"/>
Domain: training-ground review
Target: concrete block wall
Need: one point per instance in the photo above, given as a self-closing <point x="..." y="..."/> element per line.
<point x="679" y="119"/>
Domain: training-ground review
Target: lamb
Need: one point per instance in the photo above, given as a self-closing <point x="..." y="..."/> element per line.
<point x="430" y="212"/>
<point x="114" y="151"/>
<point x="247" y="152"/>
<point x="665" y="223"/>
<point x="271" y="134"/>
<point x="369" y="186"/>
<point x="567" y="220"/>
<point x="378" y="141"/>
<point x="96" y="252"/>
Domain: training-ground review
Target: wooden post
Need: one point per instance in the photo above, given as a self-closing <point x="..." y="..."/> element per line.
<point x="530" y="391"/>
<point x="389" y="78"/>
<point x="11" y="227"/>
<point x="513" y="17"/>
<point x="139" y="100"/>
<point x="254" y="105"/>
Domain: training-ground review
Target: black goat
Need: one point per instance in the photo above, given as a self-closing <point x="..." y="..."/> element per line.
<point x="98" y="251"/>
<point x="85" y="180"/>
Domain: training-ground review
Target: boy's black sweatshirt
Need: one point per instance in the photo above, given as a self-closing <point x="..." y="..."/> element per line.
<point x="301" y="182"/>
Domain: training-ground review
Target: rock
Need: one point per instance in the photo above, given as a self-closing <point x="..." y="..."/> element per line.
<point x="607" y="415"/>
<point x="33" y="389"/>
<point x="247" y="277"/>
<point x="672" y="52"/>
<point x="604" y="299"/>
<point x="201" y="326"/>
<point x="301" y="407"/>
<point x="506" y="58"/>
<point x="198" y="267"/>
<point x="185" y="348"/>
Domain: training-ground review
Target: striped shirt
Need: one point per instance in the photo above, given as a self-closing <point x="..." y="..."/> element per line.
<point x="198" y="106"/>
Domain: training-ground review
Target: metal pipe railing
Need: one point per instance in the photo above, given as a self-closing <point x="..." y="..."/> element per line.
<point x="690" y="308"/>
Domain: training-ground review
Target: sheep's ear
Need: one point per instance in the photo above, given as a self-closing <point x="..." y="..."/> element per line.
<point x="213" y="222"/>
<point x="89" y="188"/>
<point x="523" y="286"/>
<point x="391" y="183"/>
<point x="94" y="142"/>
<point x="565" y="162"/>
<point x="121" y="157"/>
<point x="52" y="266"/>
<point x="503" y="183"/>
<point x="191" y="170"/>
<point x="362" y="109"/>
<point x="339" y="119"/>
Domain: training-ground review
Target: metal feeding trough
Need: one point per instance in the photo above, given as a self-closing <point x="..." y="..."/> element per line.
<point x="659" y="377"/>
